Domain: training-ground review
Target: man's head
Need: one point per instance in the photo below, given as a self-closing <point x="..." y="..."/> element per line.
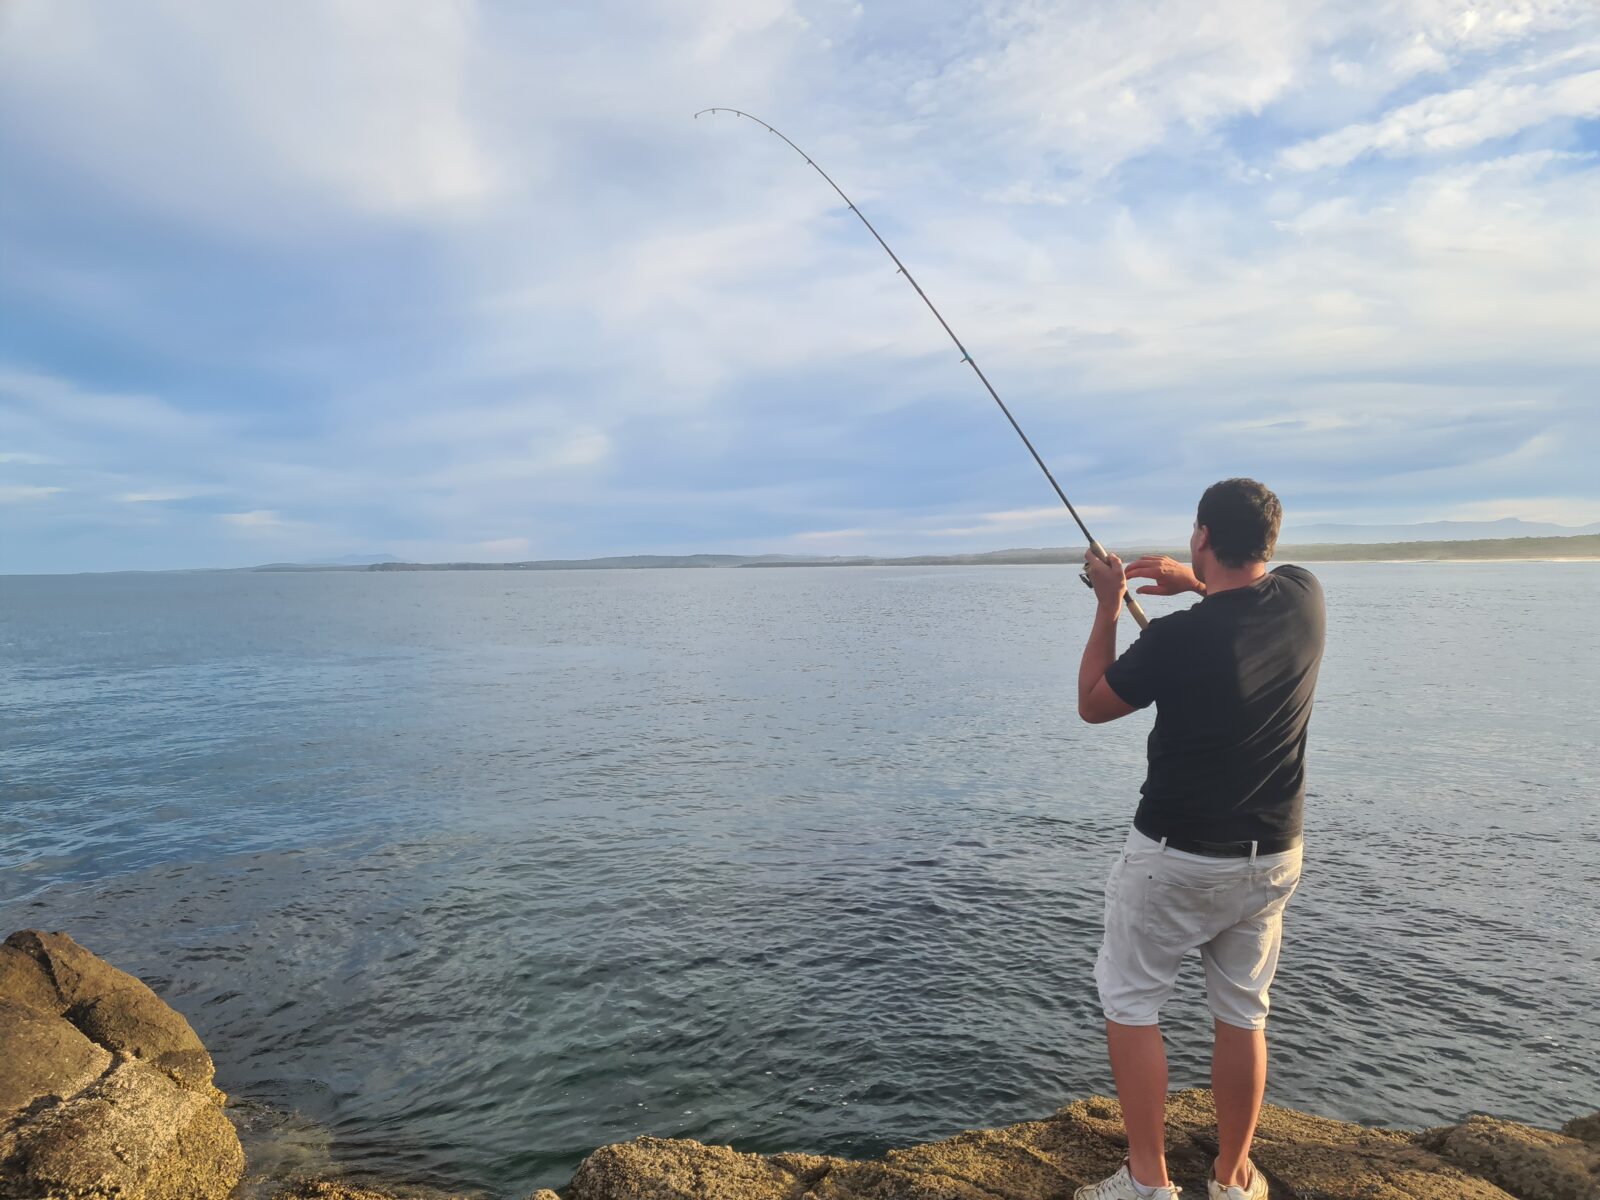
<point x="1236" y="526"/>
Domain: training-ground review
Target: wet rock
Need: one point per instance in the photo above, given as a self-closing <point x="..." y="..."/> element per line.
<point x="105" y="1092"/>
<point x="1531" y="1164"/>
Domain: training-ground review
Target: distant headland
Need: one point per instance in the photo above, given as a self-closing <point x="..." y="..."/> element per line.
<point x="1580" y="547"/>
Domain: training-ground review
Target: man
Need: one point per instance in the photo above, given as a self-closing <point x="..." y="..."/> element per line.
<point x="1214" y="853"/>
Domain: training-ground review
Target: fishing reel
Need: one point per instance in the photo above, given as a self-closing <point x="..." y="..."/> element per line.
<point x="1099" y="551"/>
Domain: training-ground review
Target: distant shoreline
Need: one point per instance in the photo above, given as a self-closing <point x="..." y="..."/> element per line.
<point x="1575" y="548"/>
<point x="1584" y="547"/>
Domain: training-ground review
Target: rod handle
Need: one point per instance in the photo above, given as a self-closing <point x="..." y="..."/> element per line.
<point x="1135" y="609"/>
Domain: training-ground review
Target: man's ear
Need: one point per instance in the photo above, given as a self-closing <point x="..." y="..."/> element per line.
<point x="1205" y="538"/>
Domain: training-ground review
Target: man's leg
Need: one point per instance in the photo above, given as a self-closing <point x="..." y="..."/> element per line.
<point x="1240" y="963"/>
<point x="1238" y="1082"/>
<point x="1139" y="1063"/>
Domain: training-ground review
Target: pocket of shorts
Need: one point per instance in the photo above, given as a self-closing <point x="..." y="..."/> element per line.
<point x="1273" y="888"/>
<point x="1280" y="880"/>
<point x="1178" y="914"/>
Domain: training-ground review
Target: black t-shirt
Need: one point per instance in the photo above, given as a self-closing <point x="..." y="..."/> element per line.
<point x="1231" y="679"/>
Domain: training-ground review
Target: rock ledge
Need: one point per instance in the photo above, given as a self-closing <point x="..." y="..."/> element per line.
<point x="105" y="1091"/>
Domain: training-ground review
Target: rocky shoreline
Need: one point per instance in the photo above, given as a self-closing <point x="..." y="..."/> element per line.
<point x="106" y="1093"/>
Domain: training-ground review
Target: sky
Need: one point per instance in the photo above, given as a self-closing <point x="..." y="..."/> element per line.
<point x="453" y="280"/>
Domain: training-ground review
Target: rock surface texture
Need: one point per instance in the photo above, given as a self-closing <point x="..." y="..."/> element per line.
<point x="1523" y="1161"/>
<point x="105" y="1091"/>
<point x="1303" y="1158"/>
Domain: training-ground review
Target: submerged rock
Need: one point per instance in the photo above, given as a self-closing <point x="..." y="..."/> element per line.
<point x="105" y="1091"/>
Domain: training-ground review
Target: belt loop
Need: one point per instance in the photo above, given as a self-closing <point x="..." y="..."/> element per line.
<point x="1253" y="846"/>
<point x="1163" y="845"/>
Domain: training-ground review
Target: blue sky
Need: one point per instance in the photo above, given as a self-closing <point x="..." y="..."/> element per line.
<point x="465" y="280"/>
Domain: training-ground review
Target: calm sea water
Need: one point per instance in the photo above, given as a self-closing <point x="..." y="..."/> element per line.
<point x="461" y="875"/>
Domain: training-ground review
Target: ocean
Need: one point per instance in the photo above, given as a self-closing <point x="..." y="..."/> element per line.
<point x="460" y="875"/>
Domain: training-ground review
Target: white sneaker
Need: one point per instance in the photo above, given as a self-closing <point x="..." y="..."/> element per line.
<point x="1121" y="1187"/>
<point x="1256" y="1189"/>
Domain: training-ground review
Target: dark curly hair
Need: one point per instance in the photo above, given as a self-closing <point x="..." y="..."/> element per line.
<point x="1242" y="517"/>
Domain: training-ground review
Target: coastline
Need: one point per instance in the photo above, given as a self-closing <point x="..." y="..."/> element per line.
<point x="106" y="1093"/>
<point x="1570" y="558"/>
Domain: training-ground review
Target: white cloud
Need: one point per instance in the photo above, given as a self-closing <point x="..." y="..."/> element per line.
<point x="1080" y="89"/>
<point x="61" y="402"/>
<point x="1100" y="83"/>
<point x="1452" y="121"/>
<point x="23" y="493"/>
<point x="241" y="116"/>
<point x="261" y="519"/>
<point x="159" y="495"/>
<point x="1025" y="518"/>
<point x="583" y="448"/>
<point x="830" y="535"/>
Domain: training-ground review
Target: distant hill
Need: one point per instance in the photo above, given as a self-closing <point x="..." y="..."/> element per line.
<point x="1580" y="546"/>
<point x="1526" y="549"/>
<point x="1434" y="531"/>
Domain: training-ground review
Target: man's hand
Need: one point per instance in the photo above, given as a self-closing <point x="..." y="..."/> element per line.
<point x="1097" y="701"/>
<point x="1105" y="576"/>
<point x="1172" y="578"/>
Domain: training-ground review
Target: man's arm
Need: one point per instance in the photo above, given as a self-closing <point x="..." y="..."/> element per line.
<point x="1097" y="703"/>
<point x="1171" y="577"/>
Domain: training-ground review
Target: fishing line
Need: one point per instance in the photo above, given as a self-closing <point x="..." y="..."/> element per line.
<point x="1095" y="547"/>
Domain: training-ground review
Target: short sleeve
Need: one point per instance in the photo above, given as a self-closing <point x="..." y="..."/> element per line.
<point x="1137" y="676"/>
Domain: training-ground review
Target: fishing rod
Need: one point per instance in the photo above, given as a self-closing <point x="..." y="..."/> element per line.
<point x="1095" y="547"/>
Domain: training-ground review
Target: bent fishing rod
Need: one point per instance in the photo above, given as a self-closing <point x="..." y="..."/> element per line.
<point x="1095" y="547"/>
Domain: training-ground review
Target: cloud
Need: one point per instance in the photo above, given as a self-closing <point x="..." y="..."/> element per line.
<point x="1026" y="518"/>
<point x="22" y="493"/>
<point x="1453" y="121"/>
<point x="259" y="519"/>
<point x="159" y="496"/>
<point x="361" y="105"/>
<point x="583" y="448"/>
<point x="829" y="535"/>
<point x="57" y="402"/>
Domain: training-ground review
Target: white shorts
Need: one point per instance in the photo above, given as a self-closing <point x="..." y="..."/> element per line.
<point x="1162" y="903"/>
